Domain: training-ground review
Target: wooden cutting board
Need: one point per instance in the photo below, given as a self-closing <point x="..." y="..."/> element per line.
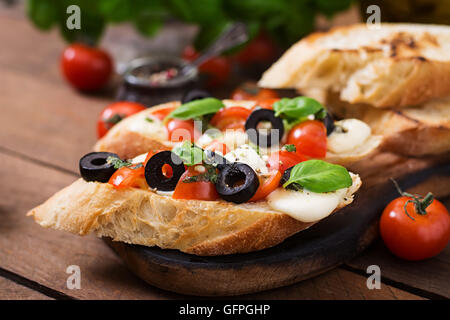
<point x="324" y="246"/>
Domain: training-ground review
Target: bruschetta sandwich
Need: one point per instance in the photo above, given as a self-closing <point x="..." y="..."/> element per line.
<point x="211" y="177"/>
<point x="394" y="77"/>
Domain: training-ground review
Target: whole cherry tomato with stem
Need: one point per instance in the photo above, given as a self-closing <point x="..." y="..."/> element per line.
<point x="114" y="113"/>
<point x="414" y="227"/>
<point x="86" y="68"/>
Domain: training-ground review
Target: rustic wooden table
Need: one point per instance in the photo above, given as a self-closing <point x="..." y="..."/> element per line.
<point x="44" y="128"/>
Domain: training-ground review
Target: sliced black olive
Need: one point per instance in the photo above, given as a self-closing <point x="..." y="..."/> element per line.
<point x="261" y="139"/>
<point x="154" y="175"/>
<point x="328" y="121"/>
<point x="237" y="182"/>
<point x="195" y="94"/>
<point x="285" y="177"/>
<point x="94" y="167"/>
<point x="215" y="159"/>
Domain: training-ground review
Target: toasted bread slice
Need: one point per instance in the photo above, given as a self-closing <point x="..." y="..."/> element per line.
<point x="135" y="135"/>
<point x="397" y="65"/>
<point x="415" y="131"/>
<point x="144" y="217"/>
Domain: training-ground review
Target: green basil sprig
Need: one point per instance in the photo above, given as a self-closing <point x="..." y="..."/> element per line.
<point x="296" y="108"/>
<point x="319" y="176"/>
<point x="196" y="109"/>
<point x="189" y="153"/>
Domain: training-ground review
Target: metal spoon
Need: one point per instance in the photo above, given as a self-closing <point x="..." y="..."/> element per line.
<point x="231" y="37"/>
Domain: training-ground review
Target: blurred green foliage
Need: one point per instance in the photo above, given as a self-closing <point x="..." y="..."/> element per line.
<point x="285" y="20"/>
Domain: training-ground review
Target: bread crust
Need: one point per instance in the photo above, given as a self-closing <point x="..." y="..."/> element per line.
<point x="397" y="66"/>
<point x="144" y="217"/>
<point x="416" y="131"/>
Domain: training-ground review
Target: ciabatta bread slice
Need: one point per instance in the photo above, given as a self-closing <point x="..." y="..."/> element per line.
<point x="415" y="131"/>
<point x="144" y="217"/>
<point x="397" y="65"/>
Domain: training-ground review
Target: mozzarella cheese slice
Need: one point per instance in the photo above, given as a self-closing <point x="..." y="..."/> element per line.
<point x="305" y="205"/>
<point x="139" y="159"/>
<point x="153" y="129"/>
<point x="248" y="155"/>
<point x="348" y="135"/>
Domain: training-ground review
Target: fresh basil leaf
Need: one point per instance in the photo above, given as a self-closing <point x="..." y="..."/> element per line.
<point x="290" y="148"/>
<point x="43" y="13"/>
<point x="189" y="153"/>
<point x="196" y="109"/>
<point x="319" y="176"/>
<point x="118" y="163"/>
<point x="296" y="108"/>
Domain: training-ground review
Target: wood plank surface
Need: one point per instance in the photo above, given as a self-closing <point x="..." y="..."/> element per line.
<point x="10" y="290"/>
<point x="428" y="276"/>
<point x="45" y="254"/>
<point x="337" y="284"/>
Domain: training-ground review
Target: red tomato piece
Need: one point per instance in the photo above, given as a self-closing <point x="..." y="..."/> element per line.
<point x="162" y="113"/>
<point x="266" y="186"/>
<point x="114" y="113"/>
<point x="182" y="130"/>
<point x="230" y="118"/>
<point x="282" y="160"/>
<point x="199" y="190"/>
<point x="127" y="177"/>
<point x="309" y="138"/>
<point x="86" y="68"/>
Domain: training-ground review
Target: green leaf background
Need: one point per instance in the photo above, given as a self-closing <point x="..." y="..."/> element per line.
<point x="285" y="20"/>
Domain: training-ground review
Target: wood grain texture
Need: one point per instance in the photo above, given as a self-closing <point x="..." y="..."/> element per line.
<point x="45" y="254"/>
<point x="10" y="290"/>
<point x="431" y="275"/>
<point x="337" y="284"/>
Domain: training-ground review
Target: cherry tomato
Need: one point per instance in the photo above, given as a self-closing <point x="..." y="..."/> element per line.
<point x="200" y="190"/>
<point x="181" y="130"/>
<point x="218" y="146"/>
<point x="282" y="160"/>
<point x="266" y="103"/>
<point x="309" y="138"/>
<point x="261" y="49"/>
<point x="249" y="91"/>
<point x="162" y="113"/>
<point x="86" y="68"/>
<point x="267" y="184"/>
<point x="115" y="112"/>
<point x="218" y="69"/>
<point x="230" y="118"/>
<point x="127" y="177"/>
<point x="421" y="238"/>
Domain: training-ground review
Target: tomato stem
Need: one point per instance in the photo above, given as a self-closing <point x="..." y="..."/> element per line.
<point x="420" y="203"/>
